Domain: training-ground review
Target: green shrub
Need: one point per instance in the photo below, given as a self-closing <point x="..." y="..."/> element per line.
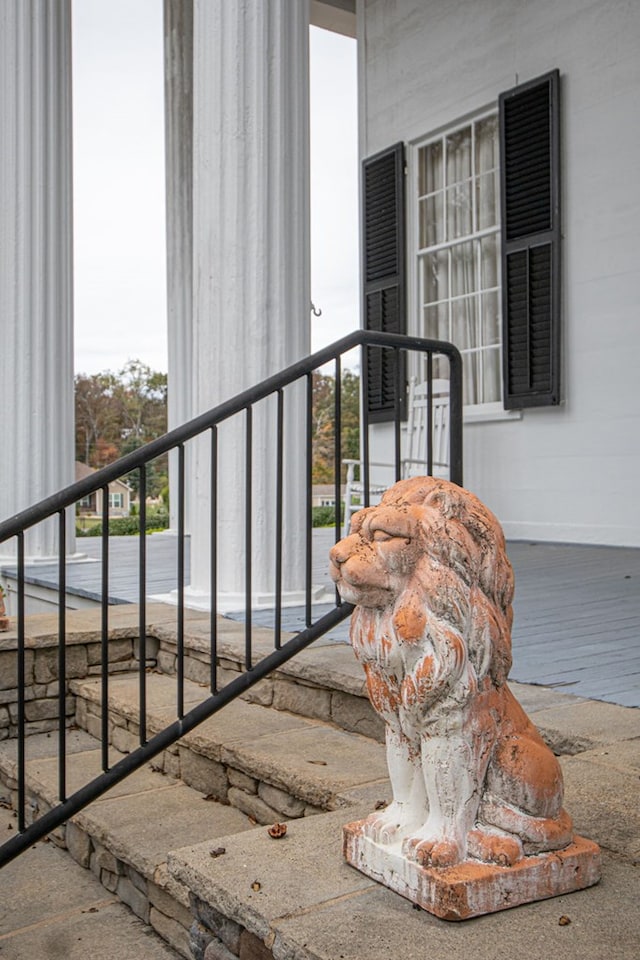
<point x="326" y="516"/>
<point x="128" y="526"/>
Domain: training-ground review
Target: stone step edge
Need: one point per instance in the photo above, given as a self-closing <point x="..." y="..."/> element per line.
<point x="159" y="900"/>
<point x="321" y="682"/>
<point x="203" y="768"/>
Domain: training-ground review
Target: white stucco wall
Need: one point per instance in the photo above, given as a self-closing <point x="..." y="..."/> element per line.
<point x="567" y="473"/>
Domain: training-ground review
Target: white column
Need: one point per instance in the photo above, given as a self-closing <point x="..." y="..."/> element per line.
<point x="178" y="40"/>
<point x="36" y="297"/>
<point x="251" y="266"/>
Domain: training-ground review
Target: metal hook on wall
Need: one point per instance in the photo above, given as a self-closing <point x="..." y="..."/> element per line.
<point x="315" y="311"/>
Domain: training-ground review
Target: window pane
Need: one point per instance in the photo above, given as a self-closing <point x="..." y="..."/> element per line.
<point x="470" y="378"/>
<point x="490" y="319"/>
<point x="463" y="269"/>
<point x="491" y="386"/>
<point x="436" y="322"/>
<point x="459" y="155"/>
<point x="435" y="276"/>
<point x="459" y="222"/>
<point x="430" y="168"/>
<point x="488" y="262"/>
<point x="431" y="221"/>
<point x="486" y="144"/>
<point x="463" y="322"/>
<point x="487" y="194"/>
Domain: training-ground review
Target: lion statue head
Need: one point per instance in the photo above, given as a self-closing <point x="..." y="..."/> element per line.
<point x="430" y="559"/>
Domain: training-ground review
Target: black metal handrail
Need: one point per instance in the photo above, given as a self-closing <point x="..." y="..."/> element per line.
<point x="56" y="505"/>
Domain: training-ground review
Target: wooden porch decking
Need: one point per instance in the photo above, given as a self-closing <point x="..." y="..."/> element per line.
<point x="577" y="608"/>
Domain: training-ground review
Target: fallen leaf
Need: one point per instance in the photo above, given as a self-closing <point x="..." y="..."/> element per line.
<point x="217" y="851"/>
<point x="256" y="885"/>
<point x="564" y="921"/>
<point x="277" y="831"/>
<point x="319" y="763"/>
<point x="252" y="820"/>
<point x="381" y="804"/>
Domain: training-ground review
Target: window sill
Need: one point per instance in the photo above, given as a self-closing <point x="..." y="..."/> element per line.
<point x="488" y="413"/>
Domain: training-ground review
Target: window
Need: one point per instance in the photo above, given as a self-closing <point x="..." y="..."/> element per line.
<point x="491" y="288"/>
<point x="458" y="250"/>
<point x="87" y="502"/>
<point x="116" y="501"/>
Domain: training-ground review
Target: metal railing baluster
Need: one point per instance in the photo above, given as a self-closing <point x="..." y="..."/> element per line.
<point x="213" y="570"/>
<point x="248" y="543"/>
<point x="104" y="634"/>
<point x="337" y="455"/>
<point x="62" y="658"/>
<point x="364" y="439"/>
<point x="21" y="688"/>
<point x="277" y="626"/>
<point x="309" y="503"/>
<point x="397" y="413"/>
<point x="142" y="602"/>
<point x="180" y="612"/>
<point x="429" y="413"/>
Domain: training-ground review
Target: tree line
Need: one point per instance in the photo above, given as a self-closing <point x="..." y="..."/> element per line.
<point x="118" y="412"/>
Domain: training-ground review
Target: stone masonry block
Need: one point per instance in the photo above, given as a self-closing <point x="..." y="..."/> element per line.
<point x="228" y="931"/>
<point x="123" y="740"/>
<point x="47" y="709"/>
<point x="78" y="844"/>
<point x="241" y="780"/>
<point x="171" y="931"/>
<point x="203" y="774"/>
<point x="46" y="664"/>
<point x="251" y="948"/>
<point x="356" y="715"/>
<point x="103" y="859"/>
<point x="302" y="700"/>
<point x="168" y="905"/>
<point x="199" y="939"/>
<point x="133" y="898"/>
<point x="109" y="880"/>
<point x="137" y="879"/>
<point x="287" y="805"/>
<point x="216" y="950"/>
<point x="9" y="669"/>
<point x="166" y="662"/>
<point x="197" y="671"/>
<point x="253" y="806"/>
<point x="261" y="693"/>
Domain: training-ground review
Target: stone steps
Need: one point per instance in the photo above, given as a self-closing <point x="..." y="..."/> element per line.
<point x="271" y="764"/>
<point x="245" y="766"/>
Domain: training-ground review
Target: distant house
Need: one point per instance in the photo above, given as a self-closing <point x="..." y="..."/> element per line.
<point x="324" y="495"/>
<point x="119" y="496"/>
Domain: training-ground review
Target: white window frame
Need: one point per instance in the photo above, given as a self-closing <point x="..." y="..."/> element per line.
<point x="112" y="501"/>
<point x="472" y="412"/>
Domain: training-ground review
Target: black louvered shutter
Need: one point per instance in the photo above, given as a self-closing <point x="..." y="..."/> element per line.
<point x="530" y="165"/>
<point x="383" y="272"/>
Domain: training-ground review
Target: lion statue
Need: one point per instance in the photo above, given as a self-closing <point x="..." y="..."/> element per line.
<point x="471" y="776"/>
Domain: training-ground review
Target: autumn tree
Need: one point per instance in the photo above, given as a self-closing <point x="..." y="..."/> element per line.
<point x="118" y="412"/>
<point x="323" y="423"/>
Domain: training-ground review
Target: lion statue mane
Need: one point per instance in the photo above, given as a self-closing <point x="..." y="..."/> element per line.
<point x="471" y="776"/>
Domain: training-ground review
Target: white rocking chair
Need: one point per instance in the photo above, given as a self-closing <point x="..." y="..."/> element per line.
<point x="414" y="438"/>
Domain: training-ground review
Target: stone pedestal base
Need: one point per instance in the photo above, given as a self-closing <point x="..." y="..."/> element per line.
<point x="472" y="889"/>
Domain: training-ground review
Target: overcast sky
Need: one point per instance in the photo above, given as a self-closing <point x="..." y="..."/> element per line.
<point x="120" y="305"/>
